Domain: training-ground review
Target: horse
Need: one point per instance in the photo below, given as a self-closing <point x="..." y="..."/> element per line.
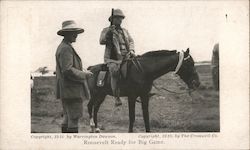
<point x="142" y="71"/>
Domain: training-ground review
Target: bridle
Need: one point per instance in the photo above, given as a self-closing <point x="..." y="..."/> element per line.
<point x="180" y="62"/>
<point x="137" y="65"/>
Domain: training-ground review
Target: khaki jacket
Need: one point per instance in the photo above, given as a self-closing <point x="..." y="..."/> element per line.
<point x="119" y="44"/>
<point x="71" y="80"/>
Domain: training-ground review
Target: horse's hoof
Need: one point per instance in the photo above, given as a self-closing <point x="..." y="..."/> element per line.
<point x="97" y="130"/>
<point x="91" y="131"/>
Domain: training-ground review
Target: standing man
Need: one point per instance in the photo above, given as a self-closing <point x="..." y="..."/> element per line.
<point x="72" y="87"/>
<point x="119" y="46"/>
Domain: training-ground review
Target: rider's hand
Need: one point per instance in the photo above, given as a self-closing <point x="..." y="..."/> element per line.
<point x="132" y="53"/>
<point x="110" y="32"/>
<point x="112" y="28"/>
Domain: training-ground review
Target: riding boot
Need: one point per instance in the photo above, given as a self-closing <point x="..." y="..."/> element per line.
<point x="73" y="130"/>
<point x="116" y="91"/>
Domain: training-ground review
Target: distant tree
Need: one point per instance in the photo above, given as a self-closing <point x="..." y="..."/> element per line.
<point x="43" y="70"/>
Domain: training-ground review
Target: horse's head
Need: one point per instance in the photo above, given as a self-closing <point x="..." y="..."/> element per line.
<point x="187" y="71"/>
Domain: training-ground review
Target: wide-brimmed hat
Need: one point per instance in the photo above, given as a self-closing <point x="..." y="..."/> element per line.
<point x="69" y="26"/>
<point x="117" y="13"/>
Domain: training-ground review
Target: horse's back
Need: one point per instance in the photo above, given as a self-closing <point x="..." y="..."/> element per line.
<point x="97" y="68"/>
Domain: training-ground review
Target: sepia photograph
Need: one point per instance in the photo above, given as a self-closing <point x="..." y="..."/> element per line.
<point x="97" y="71"/>
<point x="167" y="82"/>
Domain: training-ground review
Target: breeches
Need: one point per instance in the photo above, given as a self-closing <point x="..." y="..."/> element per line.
<point x="114" y="70"/>
<point x="72" y="112"/>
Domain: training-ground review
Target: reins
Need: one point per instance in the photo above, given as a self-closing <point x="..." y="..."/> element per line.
<point x="139" y="68"/>
<point x="137" y="64"/>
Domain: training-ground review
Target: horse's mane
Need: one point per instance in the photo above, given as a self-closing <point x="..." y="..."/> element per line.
<point x="159" y="53"/>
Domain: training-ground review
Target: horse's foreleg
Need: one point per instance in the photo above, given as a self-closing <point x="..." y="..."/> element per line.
<point x="144" y="103"/>
<point x="90" y="110"/>
<point x="131" y="106"/>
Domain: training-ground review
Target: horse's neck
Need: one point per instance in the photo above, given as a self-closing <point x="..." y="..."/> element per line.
<point x="156" y="67"/>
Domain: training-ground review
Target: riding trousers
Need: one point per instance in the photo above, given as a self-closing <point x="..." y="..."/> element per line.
<point x="114" y="69"/>
<point x="72" y="112"/>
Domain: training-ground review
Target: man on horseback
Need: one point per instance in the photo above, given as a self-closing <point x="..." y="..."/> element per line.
<point x="119" y="47"/>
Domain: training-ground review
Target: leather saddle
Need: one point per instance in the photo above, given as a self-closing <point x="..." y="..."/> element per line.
<point x="102" y="71"/>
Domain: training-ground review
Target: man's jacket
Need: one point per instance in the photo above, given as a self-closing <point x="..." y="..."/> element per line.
<point x="71" y="80"/>
<point x="122" y="44"/>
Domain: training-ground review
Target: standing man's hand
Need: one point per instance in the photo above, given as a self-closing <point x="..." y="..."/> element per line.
<point x="88" y="73"/>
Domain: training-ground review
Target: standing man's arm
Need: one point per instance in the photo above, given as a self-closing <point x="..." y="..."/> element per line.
<point x="66" y="63"/>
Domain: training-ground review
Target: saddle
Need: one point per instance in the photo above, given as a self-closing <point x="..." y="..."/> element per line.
<point x="102" y="71"/>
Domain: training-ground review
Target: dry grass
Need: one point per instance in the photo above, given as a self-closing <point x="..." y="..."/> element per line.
<point x="168" y="112"/>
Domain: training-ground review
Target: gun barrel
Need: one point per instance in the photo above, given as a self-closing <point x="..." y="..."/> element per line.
<point x="112" y="13"/>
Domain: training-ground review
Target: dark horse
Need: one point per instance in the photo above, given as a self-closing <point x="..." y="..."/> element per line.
<point x="141" y="73"/>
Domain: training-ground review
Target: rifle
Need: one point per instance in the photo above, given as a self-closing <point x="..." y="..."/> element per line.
<point x="112" y="13"/>
<point x="113" y="52"/>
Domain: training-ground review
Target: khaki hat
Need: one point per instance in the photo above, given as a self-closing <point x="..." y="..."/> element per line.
<point x="117" y="13"/>
<point x="69" y="26"/>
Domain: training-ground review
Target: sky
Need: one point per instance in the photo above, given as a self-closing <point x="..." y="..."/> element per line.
<point x="153" y="26"/>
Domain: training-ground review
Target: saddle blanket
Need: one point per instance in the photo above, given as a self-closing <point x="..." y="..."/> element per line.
<point x="103" y="73"/>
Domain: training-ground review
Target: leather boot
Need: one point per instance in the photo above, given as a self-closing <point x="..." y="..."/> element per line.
<point x="64" y="129"/>
<point x="73" y="130"/>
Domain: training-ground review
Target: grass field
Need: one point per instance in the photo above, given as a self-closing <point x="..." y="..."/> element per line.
<point x="169" y="112"/>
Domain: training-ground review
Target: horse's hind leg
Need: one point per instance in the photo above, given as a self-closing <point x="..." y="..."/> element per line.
<point x="131" y="106"/>
<point x="90" y="107"/>
<point x="97" y="105"/>
<point x="144" y="104"/>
